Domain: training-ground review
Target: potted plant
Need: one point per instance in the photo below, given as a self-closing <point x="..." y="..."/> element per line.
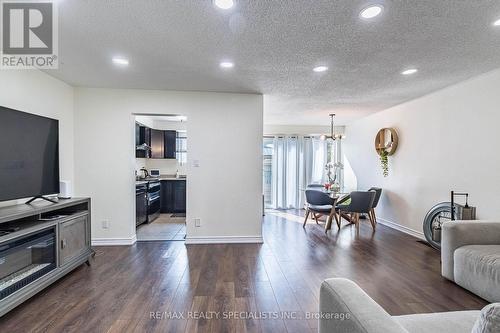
<point x="384" y="162"/>
<point x="332" y="172"/>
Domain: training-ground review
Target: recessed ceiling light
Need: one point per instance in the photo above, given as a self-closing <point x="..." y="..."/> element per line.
<point x="409" y="71"/>
<point x="224" y="4"/>
<point x="371" y="11"/>
<point x="497" y="23"/>
<point x="226" y="64"/>
<point x="120" y="61"/>
<point x="320" y="69"/>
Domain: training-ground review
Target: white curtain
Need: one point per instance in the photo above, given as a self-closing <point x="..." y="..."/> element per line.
<point x="297" y="162"/>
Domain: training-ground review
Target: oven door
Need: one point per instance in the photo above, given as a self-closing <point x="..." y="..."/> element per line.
<point x="141" y="204"/>
<point x="154" y="206"/>
<point x="154" y="187"/>
<point x="25" y="259"/>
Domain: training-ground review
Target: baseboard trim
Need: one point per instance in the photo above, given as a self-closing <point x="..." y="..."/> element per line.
<point x="224" y="239"/>
<point x="402" y="228"/>
<point x="114" y="241"/>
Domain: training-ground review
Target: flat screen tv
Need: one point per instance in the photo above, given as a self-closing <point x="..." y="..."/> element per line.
<point x="29" y="155"/>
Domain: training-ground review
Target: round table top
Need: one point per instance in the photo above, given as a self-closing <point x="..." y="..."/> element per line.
<point x="331" y="193"/>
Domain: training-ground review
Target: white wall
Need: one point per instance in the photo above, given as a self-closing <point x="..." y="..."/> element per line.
<point x="220" y="127"/>
<point x="448" y="141"/>
<point x="38" y="93"/>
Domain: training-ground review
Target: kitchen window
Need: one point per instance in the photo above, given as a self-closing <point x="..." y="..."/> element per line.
<point x="181" y="147"/>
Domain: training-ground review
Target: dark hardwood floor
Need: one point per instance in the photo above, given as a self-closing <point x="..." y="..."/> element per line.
<point x="136" y="288"/>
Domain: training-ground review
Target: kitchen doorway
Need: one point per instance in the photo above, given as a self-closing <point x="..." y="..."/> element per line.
<point x="161" y="167"/>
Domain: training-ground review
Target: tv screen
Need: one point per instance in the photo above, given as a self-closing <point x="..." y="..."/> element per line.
<point x="29" y="155"/>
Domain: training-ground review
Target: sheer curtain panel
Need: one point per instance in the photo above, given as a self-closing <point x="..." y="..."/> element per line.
<point x="297" y="161"/>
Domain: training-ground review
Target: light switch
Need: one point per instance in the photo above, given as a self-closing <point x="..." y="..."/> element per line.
<point x="196" y="163"/>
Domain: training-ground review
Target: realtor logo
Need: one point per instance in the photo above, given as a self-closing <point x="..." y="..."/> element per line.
<point x="29" y="35"/>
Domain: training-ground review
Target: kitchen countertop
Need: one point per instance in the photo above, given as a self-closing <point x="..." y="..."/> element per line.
<point x="171" y="178"/>
<point x="162" y="177"/>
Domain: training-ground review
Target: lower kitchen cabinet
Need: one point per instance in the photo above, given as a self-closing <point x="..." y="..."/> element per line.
<point x="173" y="196"/>
<point x="179" y="196"/>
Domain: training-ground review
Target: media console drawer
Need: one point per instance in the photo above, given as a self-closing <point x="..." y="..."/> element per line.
<point x="73" y="238"/>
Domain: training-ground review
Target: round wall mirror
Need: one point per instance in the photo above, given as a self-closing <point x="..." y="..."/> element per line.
<point x="386" y="140"/>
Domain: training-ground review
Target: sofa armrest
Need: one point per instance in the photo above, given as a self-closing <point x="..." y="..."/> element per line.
<point x="345" y="307"/>
<point x="456" y="234"/>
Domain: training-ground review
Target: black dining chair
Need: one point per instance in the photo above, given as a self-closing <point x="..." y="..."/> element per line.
<point x="361" y="203"/>
<point x="378" y="194"/>
<point x="314" y="186"/>
<point x="320" y="204"/>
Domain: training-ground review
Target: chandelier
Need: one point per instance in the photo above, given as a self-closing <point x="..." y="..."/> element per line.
<point x="332" y="135"/>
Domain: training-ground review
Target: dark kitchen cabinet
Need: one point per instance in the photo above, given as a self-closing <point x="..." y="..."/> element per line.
<point x="166" y="197"/>
<point x="157" y="144"/>
<point x="137" y="134"/>
<point x="169" y="144"/>
<point x="152" y="143"/>
<point x="173" y="196"/>
<point x="179" y="196"/>
<point x="142" y="140"/>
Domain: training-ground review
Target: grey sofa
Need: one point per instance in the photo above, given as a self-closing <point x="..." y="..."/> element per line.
<point x="345" y="307"/>
<point x="470" y="255"/>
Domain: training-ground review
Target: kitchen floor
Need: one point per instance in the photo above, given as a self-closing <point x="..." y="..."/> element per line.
<point x="167" y="227"/>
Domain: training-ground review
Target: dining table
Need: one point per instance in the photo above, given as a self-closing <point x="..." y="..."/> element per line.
<point x="332" y="194"/>
<point x="340" y="196"/>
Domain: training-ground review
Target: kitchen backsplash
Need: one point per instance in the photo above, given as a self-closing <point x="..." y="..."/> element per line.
<point x="166" y="167"/>
<point x="139" y="164"/>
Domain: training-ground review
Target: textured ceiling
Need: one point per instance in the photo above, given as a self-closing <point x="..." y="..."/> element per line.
<point x="275" y="44"/>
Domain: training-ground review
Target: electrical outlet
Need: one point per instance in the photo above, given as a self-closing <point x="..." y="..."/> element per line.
<point x="105" y="224"/>
<point x="197" y="222"/>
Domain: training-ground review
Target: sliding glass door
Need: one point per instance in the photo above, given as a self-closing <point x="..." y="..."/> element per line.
<point x="290" y="164"/>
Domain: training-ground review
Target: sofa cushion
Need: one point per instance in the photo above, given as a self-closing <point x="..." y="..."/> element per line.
<point x="477" y="268"/>
<point x="489" y="319"/>
<point x="442" y="322"/>
<point x="360" y="313"/>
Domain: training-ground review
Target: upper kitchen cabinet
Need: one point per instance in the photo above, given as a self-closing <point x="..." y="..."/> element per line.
<point x="157" y="144"/>
<point x="142" y="141"/>
<point x="169" y="144"/>
<point x="152" y="143"/>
